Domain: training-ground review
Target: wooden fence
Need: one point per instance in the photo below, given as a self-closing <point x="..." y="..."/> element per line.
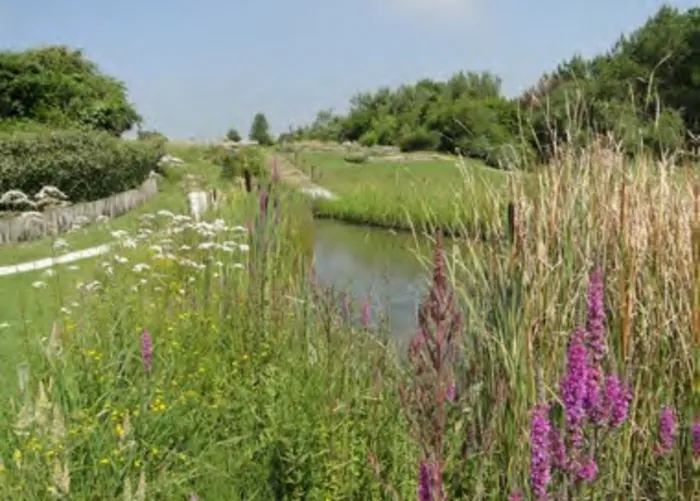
<point x="30" y="226"/>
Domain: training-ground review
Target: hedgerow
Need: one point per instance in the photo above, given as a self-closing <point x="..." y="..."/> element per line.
<point x="83" y="165"/>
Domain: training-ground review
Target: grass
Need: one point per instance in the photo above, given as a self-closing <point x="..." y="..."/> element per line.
<point x="170" y="197"/>
<point x="399" y="195"/>
<point x="232" y="375"/>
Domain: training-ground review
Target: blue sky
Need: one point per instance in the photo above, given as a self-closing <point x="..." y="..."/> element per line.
<point x="194" y="69"/>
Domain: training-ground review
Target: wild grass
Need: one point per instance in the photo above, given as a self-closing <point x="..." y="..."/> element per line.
<point x="170" y="197"/>
<point x="405" y="194"/>
<point x="237" y="377"/>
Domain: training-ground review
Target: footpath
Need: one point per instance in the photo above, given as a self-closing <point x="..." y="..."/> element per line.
<point x="294" y="177"/>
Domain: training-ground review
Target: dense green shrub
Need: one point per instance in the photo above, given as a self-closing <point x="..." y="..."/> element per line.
<point x="247" y="158"/>
<point x="420" y="140"/>
<point x="57" y="85"/>
<point x="83" y="165"/>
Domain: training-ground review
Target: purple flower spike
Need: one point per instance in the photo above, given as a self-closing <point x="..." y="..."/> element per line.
<point x="540" y="452"/>
<point x="424" y="490"/>
<point x="596" y="318"/>
<point x="667" y="431"/>
<point x="695" y="439"/>
<point x="558" y="450"/>
<point x="147" y="350"/>
<point x="593" y="402"/>
<point x="587" y="471"/>
<point x="366" y="313"/>
<point x="616" y="401"/>
<point x="451" y="393"/>
<point x="574" y="386"/>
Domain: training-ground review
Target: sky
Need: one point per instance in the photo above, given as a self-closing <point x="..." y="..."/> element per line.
<point x="194" y="69"/>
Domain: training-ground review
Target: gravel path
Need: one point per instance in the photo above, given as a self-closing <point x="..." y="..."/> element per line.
<point x="48" y="262"/>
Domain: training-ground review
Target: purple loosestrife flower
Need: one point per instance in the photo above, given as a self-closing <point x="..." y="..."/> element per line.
<point x="540" y="451"/>
<point x="147" y="350"/>
<point x="593" y="402"/>
<point x="558" y="450"/>
<point x="366" y="313"/>
<point x="695" y="438"/>
<point x="424" y="488"/>
<point x="587" y="471"/>
<point x="596" y="318"/>
<point x="667" y="431"/>
<point x="574" y="387"/>
<point x="616" y="401"/>
<point x="451" y="392"/>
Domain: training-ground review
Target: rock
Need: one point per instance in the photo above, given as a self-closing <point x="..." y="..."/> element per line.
<point x="171" y="160"/>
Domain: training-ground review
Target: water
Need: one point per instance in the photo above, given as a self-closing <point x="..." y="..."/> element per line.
<point x="374" y="263"/>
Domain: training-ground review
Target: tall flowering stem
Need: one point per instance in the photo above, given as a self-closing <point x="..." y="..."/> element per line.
<point x="540" y="452"/>
<point x="147" y="351"/>
<point x="667" y="431"/>
<point x="432" y="355"/>
<point x="574" y="387"/>
<point x="589" y="395"/>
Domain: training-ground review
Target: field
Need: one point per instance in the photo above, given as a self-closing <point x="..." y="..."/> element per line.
<point x="209" y="364"/>
<point x="456" y="194"/>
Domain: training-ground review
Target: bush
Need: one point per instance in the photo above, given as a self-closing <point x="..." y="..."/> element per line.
<point x="83" y="165"/>
<point x="357" y="158"/>
<point x="420" y="140"/>
<point x="248" y="158"/>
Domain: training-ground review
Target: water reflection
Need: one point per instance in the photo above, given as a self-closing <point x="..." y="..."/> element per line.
<point x="375" y="263"/>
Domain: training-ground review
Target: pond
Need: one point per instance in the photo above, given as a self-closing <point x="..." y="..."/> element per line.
<point x="377" y="264"/>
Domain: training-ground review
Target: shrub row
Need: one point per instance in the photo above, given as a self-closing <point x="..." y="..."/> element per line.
<point x="83" y="165"/>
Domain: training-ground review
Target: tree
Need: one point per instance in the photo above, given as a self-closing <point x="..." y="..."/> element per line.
<point x="233" y="135"/>
<point x="58" y="86"/>
<point x="259" y="130"/>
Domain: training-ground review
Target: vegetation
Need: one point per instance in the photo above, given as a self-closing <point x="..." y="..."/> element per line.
<point x="260" y="130"/>
<point x="248" y="159"/>
<point x="83" y="165"/>
<point x="233" y="135"/>
<point x="420" y="194"/>
<point x="312" y="406"/>
<point x="59" y="87"/>
<point x="643" y="91"/>
<point x="171" y="197"/>
<point x="558" y="357"/>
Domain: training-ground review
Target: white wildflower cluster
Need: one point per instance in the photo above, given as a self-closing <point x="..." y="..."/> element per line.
<point x="174" y="238"/>
<point x="47" y="196"/>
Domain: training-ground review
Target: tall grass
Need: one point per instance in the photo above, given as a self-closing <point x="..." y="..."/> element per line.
<point x="420" y="194"/>
<point x="223" y="371"/>
<point x="592" y="208"/>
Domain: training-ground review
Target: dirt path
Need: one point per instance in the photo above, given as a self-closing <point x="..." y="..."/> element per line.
<point x="297" y="179"/>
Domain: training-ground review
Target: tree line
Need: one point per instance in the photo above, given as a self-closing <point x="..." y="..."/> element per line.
<point x="645" y="92"/>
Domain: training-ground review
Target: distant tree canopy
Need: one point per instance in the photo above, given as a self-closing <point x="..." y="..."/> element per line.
<point x="233" y="135"/>
<point x="645" y="90"/>
<point x="58" y="86"/>
<point x="260" y="130"/>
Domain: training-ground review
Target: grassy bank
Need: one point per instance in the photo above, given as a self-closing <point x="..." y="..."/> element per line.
<point x="455" y="194"/>
<point x="223" y="371"/>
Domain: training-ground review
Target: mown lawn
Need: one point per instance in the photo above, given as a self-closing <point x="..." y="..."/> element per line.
<point x="454" y="194"/>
